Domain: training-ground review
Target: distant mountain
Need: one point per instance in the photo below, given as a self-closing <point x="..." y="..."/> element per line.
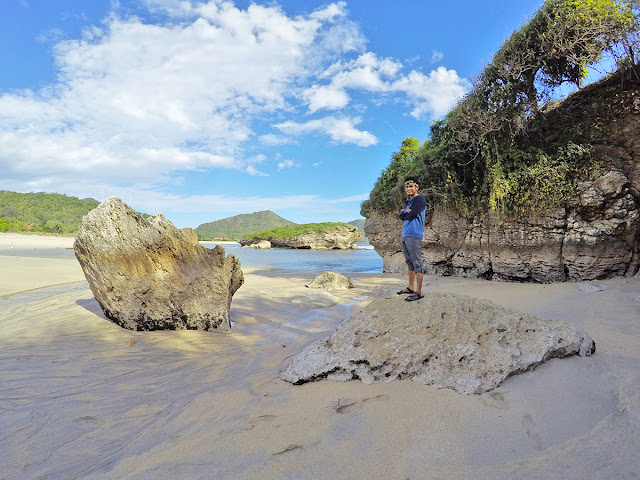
<point x="233" y="228"/>
<point x="42" y="212"/>
<point x="359" y="224"/>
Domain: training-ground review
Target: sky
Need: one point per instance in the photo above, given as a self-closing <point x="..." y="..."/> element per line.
<point x="203" y="110"/>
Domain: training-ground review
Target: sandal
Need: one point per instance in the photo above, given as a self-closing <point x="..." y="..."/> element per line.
<point x="413" y="297"/>
<point x="405" y="290"/>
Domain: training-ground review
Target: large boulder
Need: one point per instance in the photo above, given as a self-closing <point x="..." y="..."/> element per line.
<point x="148" y="275"/>
<point x="445" y="340"/>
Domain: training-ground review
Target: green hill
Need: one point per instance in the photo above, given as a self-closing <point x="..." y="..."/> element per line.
<point x="42" y="212"/>
<point x="234" y="228"/>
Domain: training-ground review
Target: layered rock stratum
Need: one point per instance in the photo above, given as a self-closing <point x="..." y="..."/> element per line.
<point x="446" y="340"/>
<point x="148" y="275"/>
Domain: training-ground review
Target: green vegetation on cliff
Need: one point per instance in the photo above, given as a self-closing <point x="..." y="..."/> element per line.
<point x="42" y="212"/>
<point x="489" y="153"/>
<point x="291" y="231"/>
<point x="234" y="228"/>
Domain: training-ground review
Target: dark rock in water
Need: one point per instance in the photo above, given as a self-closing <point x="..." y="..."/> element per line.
<point x="148" y="275"/>
<point x="445" y="340"/>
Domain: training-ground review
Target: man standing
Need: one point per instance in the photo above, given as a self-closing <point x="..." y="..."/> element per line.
<point x="412" y="231"/>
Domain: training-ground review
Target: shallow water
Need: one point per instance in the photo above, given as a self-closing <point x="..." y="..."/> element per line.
<point x="361" y="260"/>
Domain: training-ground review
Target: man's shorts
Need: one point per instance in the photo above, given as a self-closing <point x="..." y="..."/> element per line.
<point x="412" y="249"/>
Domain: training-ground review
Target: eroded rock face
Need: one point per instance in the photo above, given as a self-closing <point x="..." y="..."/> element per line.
<point x="596" y="236"/>
<point x="447" y="340"/>
<point x="148" y="275"/>
<point x="330" y="281"/>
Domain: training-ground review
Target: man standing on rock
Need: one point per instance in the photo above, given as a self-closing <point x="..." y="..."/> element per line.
<point x="412" y="231"/>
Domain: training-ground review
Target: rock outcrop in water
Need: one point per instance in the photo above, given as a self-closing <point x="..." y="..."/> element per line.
<point x="148" y="275"/>
<point x="446" y="340"/>
<point x="339" y="237"/>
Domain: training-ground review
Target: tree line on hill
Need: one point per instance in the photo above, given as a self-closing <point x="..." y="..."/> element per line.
<point x="42" y="212"/>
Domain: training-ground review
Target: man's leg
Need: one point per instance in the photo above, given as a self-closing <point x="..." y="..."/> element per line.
<point x="412" y="277"/>
<point x="419" y="277"/>
<point x="416" y="274"/>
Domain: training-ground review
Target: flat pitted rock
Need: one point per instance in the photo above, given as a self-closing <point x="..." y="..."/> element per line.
<point x="330" y="281"/>
<point x="148" y="275"/>
<point x="446" y="340"/>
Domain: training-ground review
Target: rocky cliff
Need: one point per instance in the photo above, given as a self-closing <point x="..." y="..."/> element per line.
<point x="594" y="235"/>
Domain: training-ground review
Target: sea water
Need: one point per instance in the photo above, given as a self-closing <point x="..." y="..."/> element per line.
<point x="363" y="259"/>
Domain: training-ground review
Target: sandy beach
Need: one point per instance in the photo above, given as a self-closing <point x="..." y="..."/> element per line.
<point x="81" y="398"/>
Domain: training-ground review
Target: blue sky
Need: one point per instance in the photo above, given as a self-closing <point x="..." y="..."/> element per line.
<point x="204" y="110"/>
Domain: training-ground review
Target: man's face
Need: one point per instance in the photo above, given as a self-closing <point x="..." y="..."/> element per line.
<point x="411" y="189"/>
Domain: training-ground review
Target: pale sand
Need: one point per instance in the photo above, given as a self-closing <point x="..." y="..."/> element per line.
<point x="78" y="401"/>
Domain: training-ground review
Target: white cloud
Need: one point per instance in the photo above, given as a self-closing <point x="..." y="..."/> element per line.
<point x="138" y="101"/>
<point x="436" y="56"/>
<point x="330" y="12"/>
<point x="251" y="170"/>
<point x="139" y="104"/>
<point x="258" y="158"/>
<point x="272" y="140"/>
<point x="435" y="93"/>
<point x="341" y="130"/>
<point x="287" y="164"/>
<point x="329" y="97"/>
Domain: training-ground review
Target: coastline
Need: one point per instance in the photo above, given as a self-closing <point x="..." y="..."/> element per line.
<point x="85" y="398"/>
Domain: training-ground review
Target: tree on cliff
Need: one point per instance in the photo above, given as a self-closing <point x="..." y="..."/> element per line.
<point x="481" y="155"/>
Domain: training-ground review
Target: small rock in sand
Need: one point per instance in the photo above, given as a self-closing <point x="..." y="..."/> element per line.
<point x="330" y="281"/>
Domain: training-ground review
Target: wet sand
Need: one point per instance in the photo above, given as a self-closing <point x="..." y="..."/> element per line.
<point x="81" y="397"/>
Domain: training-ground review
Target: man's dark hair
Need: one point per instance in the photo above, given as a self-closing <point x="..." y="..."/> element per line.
<point x="411" y="178"/>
